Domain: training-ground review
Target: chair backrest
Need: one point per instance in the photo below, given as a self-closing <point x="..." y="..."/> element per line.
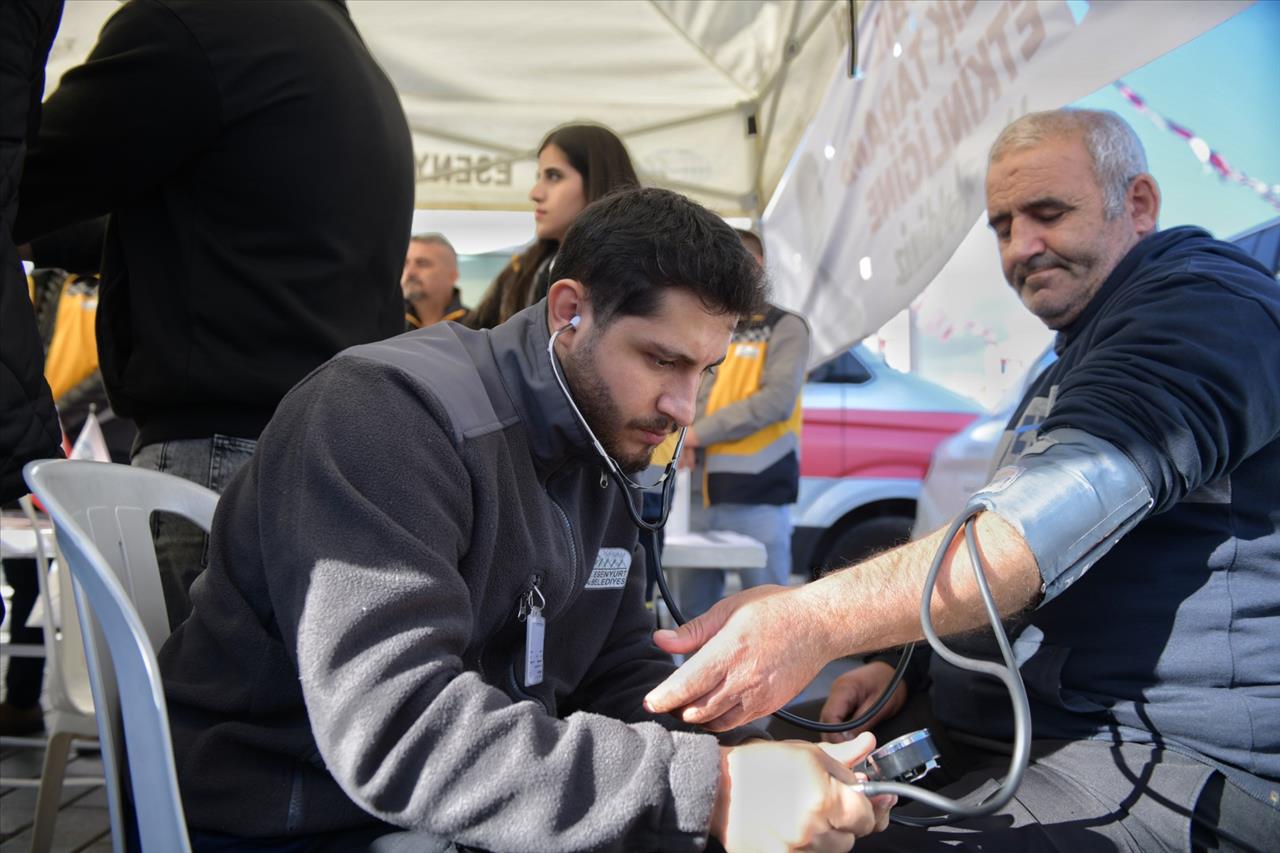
<point x="102" y="512"/>
<point x="66" y="677"/>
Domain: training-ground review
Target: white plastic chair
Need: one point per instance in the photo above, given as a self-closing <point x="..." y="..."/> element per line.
<point x="101" y="513"/>
<point x="70" y="715"/>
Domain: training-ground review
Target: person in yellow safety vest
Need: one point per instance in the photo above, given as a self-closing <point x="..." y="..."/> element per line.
<point x="746" y="443"/>
<point x="66" y="310"/>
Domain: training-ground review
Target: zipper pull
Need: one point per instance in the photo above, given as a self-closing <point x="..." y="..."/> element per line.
<point x="535" y="632"/>
<point x="604" y="479"/>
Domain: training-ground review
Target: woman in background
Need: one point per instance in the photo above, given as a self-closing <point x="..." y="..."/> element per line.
<point x="577" y="164"/>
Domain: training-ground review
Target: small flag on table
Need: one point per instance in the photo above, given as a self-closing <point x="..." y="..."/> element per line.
<point x="90" y="445"/>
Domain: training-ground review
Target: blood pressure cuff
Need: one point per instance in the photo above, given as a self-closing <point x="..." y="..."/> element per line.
<point x="1072" y="496"/>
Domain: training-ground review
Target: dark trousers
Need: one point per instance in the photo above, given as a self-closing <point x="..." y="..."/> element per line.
<point x="25" y="677"/>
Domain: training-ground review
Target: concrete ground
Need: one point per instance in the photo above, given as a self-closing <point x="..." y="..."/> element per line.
<point x="82" y="823"/>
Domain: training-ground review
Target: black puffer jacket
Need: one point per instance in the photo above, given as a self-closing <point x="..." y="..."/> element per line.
<point x="28" y="422"/>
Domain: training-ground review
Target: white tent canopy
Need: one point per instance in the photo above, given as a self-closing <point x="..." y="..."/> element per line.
<point x="728" y="100"/>
<point x="710" y="97"/>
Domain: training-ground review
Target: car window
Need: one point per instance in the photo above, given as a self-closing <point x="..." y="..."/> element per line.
<point x="843" y="369"/>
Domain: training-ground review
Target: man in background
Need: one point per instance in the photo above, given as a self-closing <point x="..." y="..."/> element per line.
<point x="257" y="169"/>
<point x="430" y="282"/>
<point x="747" y="441"/>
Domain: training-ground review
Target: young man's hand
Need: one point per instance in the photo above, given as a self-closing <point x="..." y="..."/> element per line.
<point x="795" y="796"/>
<point x="753" y="655"/>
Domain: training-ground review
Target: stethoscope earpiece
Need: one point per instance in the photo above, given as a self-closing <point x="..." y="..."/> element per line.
<point x="666" y="481"/>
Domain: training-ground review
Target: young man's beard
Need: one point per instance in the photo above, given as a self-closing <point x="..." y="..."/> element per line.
<point x="601" y="413"/>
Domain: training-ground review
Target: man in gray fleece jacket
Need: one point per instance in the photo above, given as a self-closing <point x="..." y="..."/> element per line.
<point x="422" y="622"/>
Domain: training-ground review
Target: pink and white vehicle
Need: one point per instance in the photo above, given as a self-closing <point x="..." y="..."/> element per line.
<point x="869" y="433"/>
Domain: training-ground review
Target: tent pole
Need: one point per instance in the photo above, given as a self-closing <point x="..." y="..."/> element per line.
<point x="697" y="47"/>
<point x="789" y="51"/>
<point x="686" y="187"/>
<point x="683" y="120"/>
<point x="801" y="41"/>
<point x="515" y="153"/>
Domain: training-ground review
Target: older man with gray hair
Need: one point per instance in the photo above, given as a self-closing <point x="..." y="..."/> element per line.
<point x="429" y="282"/>
<point x="1130" y="536"/>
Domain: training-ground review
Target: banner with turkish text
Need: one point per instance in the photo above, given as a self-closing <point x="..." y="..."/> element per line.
<point x="890" y="176"/>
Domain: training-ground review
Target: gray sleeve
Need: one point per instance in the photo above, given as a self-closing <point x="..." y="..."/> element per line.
<point x="631" y="665"/>
<point x="786" y="361"/>
<point x="368" y="595"/>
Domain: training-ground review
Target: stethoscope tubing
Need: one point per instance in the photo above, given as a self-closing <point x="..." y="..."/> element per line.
<point x="953" y="810"/>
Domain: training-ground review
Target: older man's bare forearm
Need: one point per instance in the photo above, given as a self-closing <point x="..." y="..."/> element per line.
<point x="876" y="604"/>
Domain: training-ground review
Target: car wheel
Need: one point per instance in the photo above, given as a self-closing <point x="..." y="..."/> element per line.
<point x="866" y="538"/>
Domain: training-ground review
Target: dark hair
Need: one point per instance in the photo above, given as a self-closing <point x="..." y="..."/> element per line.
<point x="597" y="154"/>
<point x="630" y="245"/>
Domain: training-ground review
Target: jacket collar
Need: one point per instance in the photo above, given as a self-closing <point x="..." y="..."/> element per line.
<point x="455" y="311"/>
<point x="1148" y="246"/>
<point x="520" y="351"/>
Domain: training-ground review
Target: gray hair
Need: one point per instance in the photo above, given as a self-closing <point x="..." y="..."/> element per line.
<point x="433" y="237"/>
<point x="1113" y="147"/>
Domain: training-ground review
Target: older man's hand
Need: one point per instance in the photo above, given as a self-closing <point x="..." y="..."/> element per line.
<point x="853" y="694"/>
<point x="751" y="654"/>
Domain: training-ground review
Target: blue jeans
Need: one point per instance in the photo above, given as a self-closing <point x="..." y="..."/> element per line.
<point x="696" y="590"/>
<point x="182" y="548"/>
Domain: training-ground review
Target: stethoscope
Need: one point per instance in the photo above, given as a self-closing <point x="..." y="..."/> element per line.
<point x="908" y="744"/>
<point x="667" y="482"/>
<point x="625" y="483"/>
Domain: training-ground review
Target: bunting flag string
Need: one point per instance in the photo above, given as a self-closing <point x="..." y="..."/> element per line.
<point x="940" y="326"/>
<point x="1200" y="148"/>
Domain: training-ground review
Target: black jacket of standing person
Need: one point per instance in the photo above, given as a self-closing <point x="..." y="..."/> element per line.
<point x="28" y="423"/>
<point x="258" y="170"/>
